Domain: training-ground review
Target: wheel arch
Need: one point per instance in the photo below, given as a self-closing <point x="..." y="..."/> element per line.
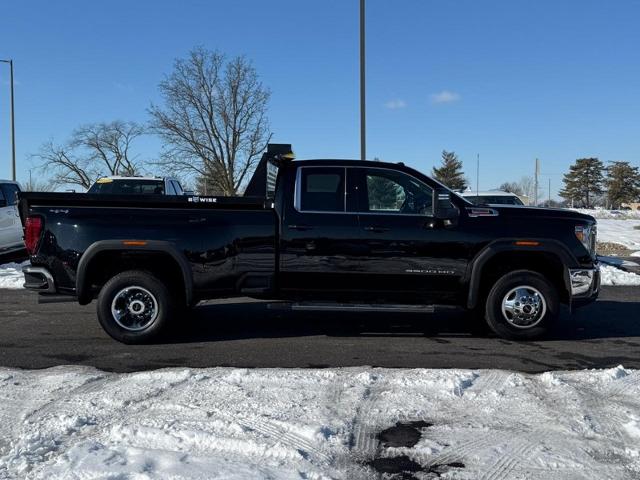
<point x="109" y="254"/>
<point x="548" y="257"/>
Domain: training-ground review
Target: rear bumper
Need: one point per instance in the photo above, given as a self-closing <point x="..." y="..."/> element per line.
<point x="585" y="285"/>
<point x="38" y="279"/>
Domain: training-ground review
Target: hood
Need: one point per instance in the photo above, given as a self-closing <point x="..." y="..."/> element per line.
<point x="540" y="212"/>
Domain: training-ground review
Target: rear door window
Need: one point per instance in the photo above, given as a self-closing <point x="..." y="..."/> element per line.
<point x="321" y="189"/>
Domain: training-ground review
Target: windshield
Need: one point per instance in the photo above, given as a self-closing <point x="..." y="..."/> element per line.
<point x="128" y="187"/>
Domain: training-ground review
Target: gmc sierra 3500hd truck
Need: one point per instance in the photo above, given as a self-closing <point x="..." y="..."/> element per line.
<point x="318" y="234"/>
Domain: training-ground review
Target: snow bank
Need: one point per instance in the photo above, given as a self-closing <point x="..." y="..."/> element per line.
<point x="601" y="213"/>
<point x="73" y="423"/>
<point x="614" y="276"/>
<point x="621" y="232"/>
<point x="11" y="275"/>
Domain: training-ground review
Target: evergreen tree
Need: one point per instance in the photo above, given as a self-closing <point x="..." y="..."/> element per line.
<point x="450" y="173"/>
<point x="584" y="181"/>
<point x="623" y="183"/>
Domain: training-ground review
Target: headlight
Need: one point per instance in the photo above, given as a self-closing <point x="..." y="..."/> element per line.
<point x="587" y="236"/>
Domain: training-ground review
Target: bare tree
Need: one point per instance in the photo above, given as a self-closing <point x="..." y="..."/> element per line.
<point x="35" y="184"/>
<point x="93" y="150"/>
<point x="511" y="187"/>
<point x="109" y="145"/>
<point x="213" y="124"/>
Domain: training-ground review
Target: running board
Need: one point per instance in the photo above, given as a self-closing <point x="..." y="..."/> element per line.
<point x="359" y="307"/>
<point x="55" y="298"/>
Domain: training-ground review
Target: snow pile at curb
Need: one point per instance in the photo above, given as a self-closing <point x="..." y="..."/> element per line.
<point x="11" y="275"/>
<point x="74" y="422"/>
<point x="615" y="276"/>
<point x="621" y="232"/>
<point x="601" y="213"/>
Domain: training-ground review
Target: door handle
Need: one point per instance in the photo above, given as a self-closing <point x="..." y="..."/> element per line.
<point x="300" y="227"/>
<point x="376" y="229"/>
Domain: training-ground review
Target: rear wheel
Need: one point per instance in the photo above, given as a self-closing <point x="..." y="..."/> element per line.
<point x="522" y="305"/>
<point x="135" y="307"/>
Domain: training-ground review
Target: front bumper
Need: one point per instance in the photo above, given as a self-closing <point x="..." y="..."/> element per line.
<point x="585" y="285"/>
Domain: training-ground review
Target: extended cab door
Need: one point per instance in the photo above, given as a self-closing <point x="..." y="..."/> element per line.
<point x="320" y="244"/>
<point x="410" y="256"/>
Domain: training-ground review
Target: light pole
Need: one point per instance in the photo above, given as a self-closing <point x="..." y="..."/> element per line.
<point x="13" y="128"/>
<point x="363" y="119"/>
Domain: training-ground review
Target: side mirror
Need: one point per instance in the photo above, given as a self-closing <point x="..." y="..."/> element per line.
<point x="444" y="208"/>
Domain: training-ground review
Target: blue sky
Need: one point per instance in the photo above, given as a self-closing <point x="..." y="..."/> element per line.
<point x="509" y="80"/>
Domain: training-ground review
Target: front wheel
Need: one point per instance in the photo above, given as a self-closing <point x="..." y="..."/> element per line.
<point x="135" y="307"/>
<point x="522" y="305"/>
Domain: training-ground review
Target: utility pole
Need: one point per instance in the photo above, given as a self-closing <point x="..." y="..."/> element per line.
<point x="13" y="128"/>
<point x="477" y="174"/>
<point x="535" y="186"/>
<point x="549" y="204"/>
<point x="363" y="117"/>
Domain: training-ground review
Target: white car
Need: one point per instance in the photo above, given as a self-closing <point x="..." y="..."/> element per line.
<point x="492" y="197"/>
<point x="117" y="185"/>
<point x="10" y="225"/>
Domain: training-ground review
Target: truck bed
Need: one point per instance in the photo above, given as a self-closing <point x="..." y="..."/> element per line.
<point x="227" y="243"/>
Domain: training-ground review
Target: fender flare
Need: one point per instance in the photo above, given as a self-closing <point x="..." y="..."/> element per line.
<point x="83" y="290"/>
<point x="547" y="246"/>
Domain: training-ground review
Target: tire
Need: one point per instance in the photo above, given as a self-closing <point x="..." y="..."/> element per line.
<point x="522" y="305"/>
<point x="135" y="307"/>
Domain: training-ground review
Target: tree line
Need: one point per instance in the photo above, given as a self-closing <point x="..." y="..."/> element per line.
<point x="212" y="123"/>
<point x="588" y="183"/>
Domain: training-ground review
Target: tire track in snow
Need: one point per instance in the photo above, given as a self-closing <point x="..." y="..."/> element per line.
<point x="503" y="467"/>
<point x="492" y="380"/>
<point x="460" y="451"/>
<point x="622" y="385"/>
<point x="269" y="429"/>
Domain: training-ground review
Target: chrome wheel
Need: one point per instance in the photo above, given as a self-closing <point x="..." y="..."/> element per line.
<point x="134" y="308"/>
<point x="524" y="307"/>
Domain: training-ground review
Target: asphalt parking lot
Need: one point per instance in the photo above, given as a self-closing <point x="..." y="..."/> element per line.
<point x="246" y="333"/>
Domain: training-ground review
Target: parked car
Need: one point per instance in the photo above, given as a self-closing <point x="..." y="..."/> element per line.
<point x="117" y="185"/>
<point x="323" y="235"/>
<point x="492" y="197"/>
<point x="10" y="226"/>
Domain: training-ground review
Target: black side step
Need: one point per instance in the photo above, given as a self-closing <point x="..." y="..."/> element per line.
<point x="353" y="307"/>
<point x="55" y="298"/>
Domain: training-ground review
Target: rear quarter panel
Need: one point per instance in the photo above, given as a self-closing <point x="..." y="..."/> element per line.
<point x="220" y="245"/>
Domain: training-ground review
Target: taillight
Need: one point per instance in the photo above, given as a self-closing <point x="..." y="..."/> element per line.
<point x="32" y="233"/>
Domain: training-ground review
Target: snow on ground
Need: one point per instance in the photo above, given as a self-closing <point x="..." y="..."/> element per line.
<point x="614" y="276"/>
<point x="11" y="275"/>
<point x="78" y="422"/>
<point x="601" y="213"/>
<point x="621" y="232"/>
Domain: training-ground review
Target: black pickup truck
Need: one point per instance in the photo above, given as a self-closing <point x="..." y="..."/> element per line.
<point x="320" y="234"/>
